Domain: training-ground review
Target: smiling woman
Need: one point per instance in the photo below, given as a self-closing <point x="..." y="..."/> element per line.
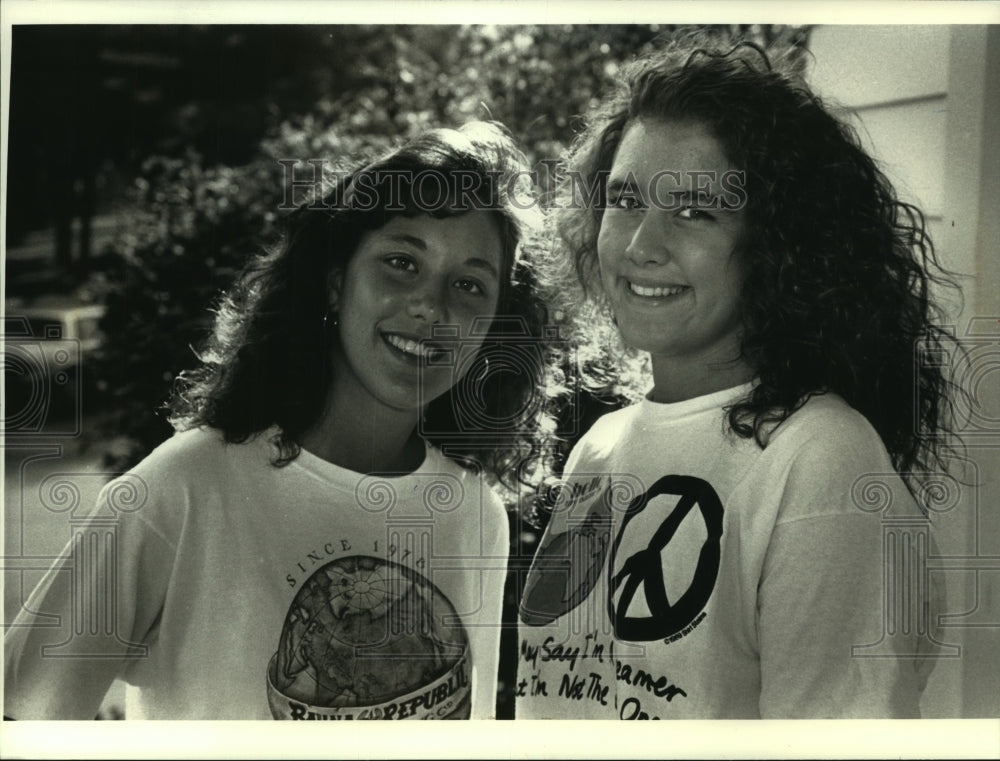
<point x="671" y="272"/>
<point x="406" y="279"/>
<point x="372" y="268"/>
<point x="320" y="540"/>
<point x="710" y="555"/>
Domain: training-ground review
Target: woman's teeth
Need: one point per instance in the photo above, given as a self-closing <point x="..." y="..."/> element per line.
<point x="651" y="292"/>
<point x="409" y="346"/>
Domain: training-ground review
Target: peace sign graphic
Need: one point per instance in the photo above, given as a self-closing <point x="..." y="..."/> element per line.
<point x="645" y="568"/>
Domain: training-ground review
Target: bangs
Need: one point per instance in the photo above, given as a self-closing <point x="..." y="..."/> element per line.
<point x="425" y="190"/>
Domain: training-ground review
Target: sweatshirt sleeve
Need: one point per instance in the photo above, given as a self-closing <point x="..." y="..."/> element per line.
<point x="490" y="619"/>
<point x="94" y="611"/>
<point x="832" y="639"/>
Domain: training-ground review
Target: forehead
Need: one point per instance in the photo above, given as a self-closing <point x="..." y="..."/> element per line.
<point x="653" y="145"/>
<point x="470" y="236"/>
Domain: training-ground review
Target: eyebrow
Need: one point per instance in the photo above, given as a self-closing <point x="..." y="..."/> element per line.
<point x="690" y="197"/>
<point x="483" y="265"/>
<point x="619" y="183"/>
<point x="413" y="240"/>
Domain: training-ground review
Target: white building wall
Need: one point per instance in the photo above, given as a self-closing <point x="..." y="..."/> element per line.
<point x="926" y="103"/>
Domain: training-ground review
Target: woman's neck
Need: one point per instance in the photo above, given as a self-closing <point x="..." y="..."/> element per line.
<point x="677" y="381"/>
<point x="366" y="437"/>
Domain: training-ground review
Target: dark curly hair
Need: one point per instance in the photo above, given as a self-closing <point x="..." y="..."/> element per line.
<point x="838" y="271"/>
<point x="268" y="360"/>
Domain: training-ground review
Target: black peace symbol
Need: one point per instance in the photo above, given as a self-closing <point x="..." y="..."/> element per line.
<point x="645" y="567"/>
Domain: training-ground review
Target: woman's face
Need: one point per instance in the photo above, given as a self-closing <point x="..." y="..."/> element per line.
<point x="405" y="278"/>
<point x="667" y="247"/>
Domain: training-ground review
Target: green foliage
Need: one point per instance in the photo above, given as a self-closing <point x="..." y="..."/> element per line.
<point x="191" y="227"/>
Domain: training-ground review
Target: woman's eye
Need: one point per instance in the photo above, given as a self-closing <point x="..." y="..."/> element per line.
<point x="399" y="262"/>
<point x="471" y="286"/>
<point x="624" y="202"/>
<point x="693" y="212"/>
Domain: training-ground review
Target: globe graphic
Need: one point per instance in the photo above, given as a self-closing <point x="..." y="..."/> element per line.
<point x="368" y="638"/>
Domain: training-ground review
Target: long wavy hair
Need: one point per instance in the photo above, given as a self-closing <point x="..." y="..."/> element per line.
<point x="838" y="271"/>
<point x="268" y="360"/>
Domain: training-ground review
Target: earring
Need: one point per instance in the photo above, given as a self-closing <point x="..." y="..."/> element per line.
<point x="328" y="323"/>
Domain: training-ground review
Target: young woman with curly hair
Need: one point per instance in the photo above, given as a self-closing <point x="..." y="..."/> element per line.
<point x="320" y="538"/>
<point x="708" y="555"/>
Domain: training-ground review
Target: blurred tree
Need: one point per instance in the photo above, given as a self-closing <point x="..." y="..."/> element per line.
<point x="90" y="103"/>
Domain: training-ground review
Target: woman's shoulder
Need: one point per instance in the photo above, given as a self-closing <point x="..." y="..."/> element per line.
<point x="440" y="470"/>
<point x="613" y="423"/>
<point x="603" y="435"/>
<point x="826" y="434"/>
<point x="193" y="466"/>
<point x="444" y="484"/>
<point x="827" y="459"/>
<point x="196" y="451"/>
<point x="825" y="417"/>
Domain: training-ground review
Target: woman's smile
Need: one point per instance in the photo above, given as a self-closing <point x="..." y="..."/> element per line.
<point x="413" y="349"/>
<point x="407" y="278"/>
<point x="651" y="292"/>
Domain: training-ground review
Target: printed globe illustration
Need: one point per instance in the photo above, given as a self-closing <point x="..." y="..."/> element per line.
<point x="366" y="638"/>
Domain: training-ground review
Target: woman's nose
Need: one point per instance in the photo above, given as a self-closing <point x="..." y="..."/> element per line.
<point x="648" y="244"/>
<point x="426" y="304"/>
